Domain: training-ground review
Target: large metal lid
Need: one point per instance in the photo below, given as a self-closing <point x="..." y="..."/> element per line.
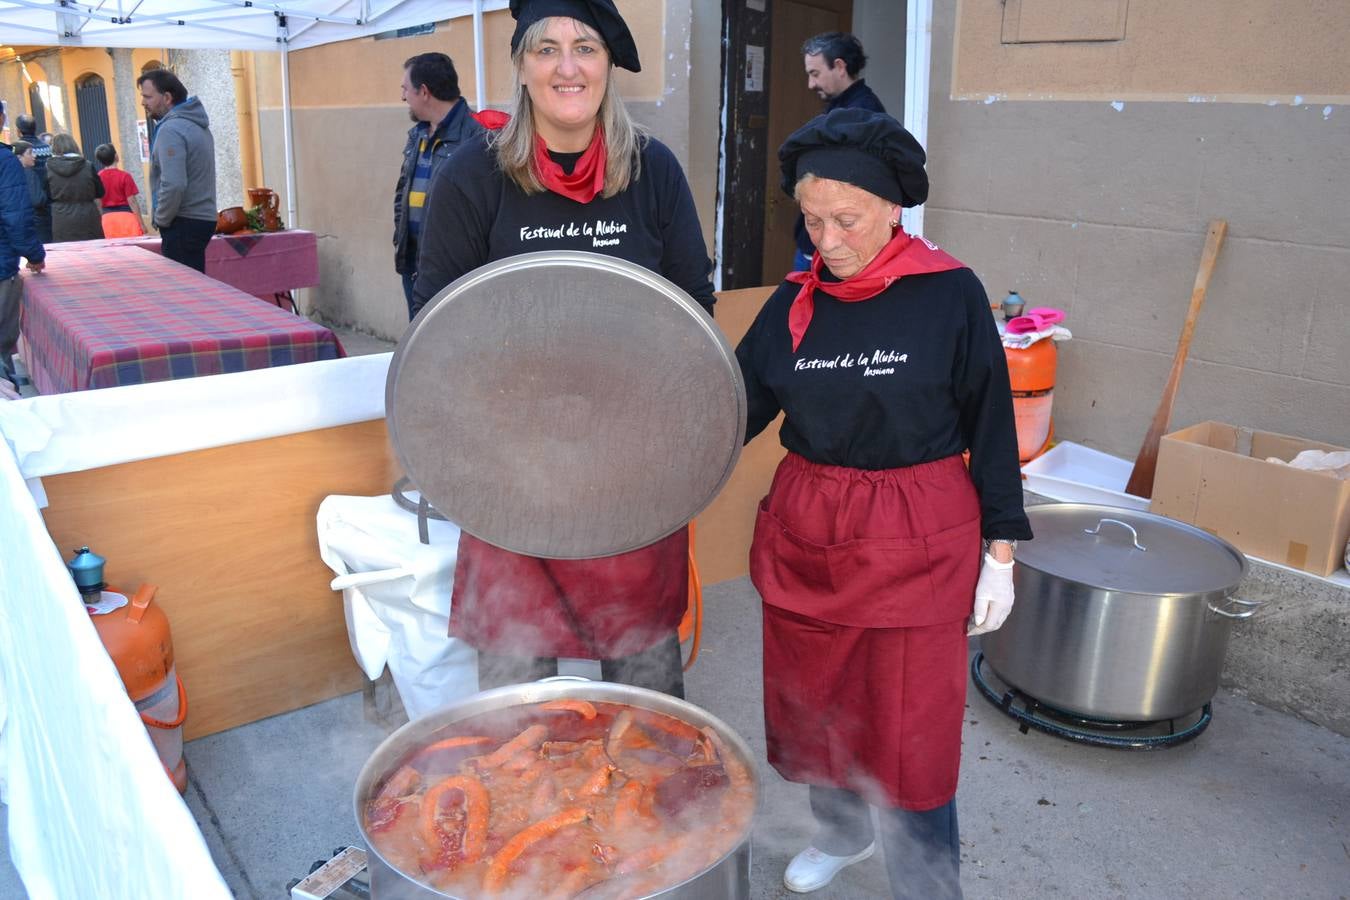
<point x="1126" y="550"/>
<point x="566" y="405"/>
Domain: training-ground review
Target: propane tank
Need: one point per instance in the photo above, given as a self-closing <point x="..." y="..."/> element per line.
<point x="1031" y="373"/>
<point x="135" y="632"/>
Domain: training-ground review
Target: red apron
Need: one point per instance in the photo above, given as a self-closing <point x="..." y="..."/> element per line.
<point x="601" y="608"/>
<point x="867" y="578"/>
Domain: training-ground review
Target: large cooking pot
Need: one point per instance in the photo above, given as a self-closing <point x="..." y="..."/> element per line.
<point x="726" y="879"/>
<point x="1120" y="615"/>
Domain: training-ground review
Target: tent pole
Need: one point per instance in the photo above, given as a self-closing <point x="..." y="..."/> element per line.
<point x="479" y="70"/>
<point x="292" y="220"/>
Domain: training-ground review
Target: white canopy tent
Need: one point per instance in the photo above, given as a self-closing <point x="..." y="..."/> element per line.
<point x="233" y="25"/>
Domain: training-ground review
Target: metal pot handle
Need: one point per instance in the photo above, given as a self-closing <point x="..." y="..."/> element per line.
<point x="1133" y="534"/>
<point x="1245" y="614"/>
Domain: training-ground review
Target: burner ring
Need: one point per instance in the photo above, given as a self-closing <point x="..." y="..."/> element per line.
<point x="1075" y="728"/>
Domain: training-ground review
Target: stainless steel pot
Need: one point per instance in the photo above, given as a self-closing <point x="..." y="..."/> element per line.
<point x="1119" y="615"/>
<point x="726" y="879"/>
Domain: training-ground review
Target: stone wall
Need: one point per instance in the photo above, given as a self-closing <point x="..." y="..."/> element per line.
<point x="207" y="75"/>
<point x="1101" y="209"/>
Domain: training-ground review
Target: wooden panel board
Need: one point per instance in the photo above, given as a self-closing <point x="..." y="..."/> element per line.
<point x="229" y="536"/>
<point x="723" y="531"/>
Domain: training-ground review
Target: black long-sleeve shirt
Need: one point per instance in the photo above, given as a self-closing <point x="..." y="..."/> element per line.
<point x="914" y="374"/>
<point x="476" y="215"/>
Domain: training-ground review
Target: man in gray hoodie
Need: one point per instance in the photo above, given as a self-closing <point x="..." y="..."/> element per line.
<point x="182" y="168"/>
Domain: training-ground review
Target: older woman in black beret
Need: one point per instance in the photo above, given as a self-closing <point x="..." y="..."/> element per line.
<point x="886" y="363"/>
<point x="569" y="170"/>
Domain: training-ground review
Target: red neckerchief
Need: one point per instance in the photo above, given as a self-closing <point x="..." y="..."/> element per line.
<point x="491" y="119"/>
<point x="588" y="176"/>
<point x="903" y="255"/>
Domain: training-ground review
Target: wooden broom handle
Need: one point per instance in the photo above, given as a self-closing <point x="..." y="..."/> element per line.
<point x="1146" y="463"/>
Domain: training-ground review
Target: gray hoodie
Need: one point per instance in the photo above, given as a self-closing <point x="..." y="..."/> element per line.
<point x="183" y="165"/>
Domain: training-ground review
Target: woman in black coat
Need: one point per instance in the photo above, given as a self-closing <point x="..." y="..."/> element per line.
<point x="74" y="188"/>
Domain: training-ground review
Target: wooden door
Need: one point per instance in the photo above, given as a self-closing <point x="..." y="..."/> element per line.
<point x="790" y="106"/>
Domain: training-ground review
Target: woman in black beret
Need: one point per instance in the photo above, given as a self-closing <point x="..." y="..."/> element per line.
<point x="886" y="363"/>
<point x="569" y="170"/>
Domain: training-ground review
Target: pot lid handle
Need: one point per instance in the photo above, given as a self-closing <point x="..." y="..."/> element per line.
<point x="1134" y="535"/>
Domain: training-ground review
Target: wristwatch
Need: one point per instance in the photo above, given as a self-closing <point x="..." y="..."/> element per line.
<point x="1011" y="544"/>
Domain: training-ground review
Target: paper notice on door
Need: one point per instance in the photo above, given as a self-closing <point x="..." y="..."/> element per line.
<point x="756" y="5"/>
<point x="754" y="69"/>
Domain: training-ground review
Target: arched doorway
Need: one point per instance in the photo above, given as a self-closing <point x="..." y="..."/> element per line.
<point x="91" y="99"/>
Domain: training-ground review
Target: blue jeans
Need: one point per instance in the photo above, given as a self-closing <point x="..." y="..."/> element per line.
<point x="408" y="280"/>
<point x="923" y="849"/>
<point x="184" y="241"/>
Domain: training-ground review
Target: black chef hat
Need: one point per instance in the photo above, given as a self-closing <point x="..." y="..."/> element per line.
<point x="601" y="15"/>
<point x="866" y="149"/>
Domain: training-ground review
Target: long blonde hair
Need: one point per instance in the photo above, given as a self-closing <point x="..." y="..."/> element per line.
<point x="514" y="143"/>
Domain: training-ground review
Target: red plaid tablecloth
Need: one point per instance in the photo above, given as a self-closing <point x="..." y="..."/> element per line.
<point x="260" y="264"/>
<point x="108" y="316"/>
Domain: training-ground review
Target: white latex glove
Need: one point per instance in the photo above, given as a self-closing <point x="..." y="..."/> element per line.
<point x="993" y="596"/>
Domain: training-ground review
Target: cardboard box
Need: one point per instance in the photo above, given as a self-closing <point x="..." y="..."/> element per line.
<point x="1216" y="477"/>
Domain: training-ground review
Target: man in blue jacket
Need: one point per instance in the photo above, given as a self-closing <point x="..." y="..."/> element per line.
<point x="443" y="122"/>
<point x="18" y="238"/>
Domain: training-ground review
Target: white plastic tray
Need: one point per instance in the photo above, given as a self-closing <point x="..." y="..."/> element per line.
<point x="1072" y="472"/>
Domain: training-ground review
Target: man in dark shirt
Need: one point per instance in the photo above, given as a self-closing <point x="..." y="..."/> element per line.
<point x="443" y="122"/>
<point x="834" y="63"/>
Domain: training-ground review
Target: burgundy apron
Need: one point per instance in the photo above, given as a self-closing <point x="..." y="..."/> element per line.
<point x="867" y="578"/>
<point x="601" y="608"/>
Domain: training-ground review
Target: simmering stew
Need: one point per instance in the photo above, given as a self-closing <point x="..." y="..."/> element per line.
<point x="560" y="799"/>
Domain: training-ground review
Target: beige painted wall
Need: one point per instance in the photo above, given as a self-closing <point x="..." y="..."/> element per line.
<point x="1101" y="210"/>
<point x="350" y="126"/>
<point x="1201" y="49"/>
<point x="35" y="71"/>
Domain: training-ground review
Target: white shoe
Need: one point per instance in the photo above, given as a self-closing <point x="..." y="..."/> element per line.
<point x="812" y="869"/>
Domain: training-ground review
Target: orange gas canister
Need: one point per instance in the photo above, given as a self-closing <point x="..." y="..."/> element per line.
<point x="1032" y="375"/>
<point x="135" y="632"/>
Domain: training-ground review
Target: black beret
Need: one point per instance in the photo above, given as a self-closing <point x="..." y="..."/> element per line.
<point x="870" y="150"/>
<point x="602" y="15"/>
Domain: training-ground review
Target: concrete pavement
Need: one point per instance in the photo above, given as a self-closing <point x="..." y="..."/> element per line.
<point x="1258" y="806"/>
